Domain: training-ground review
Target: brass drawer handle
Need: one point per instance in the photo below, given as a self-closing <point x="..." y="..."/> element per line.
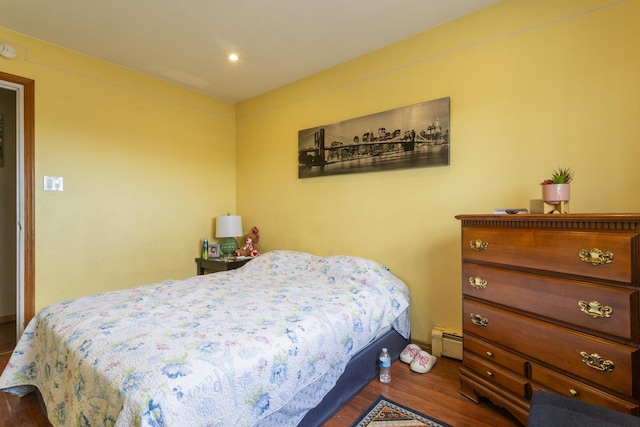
<point x="476" y="319"/>
<point x="478" y="282"/>
<point x="596" y="362"/>
<point x="573" y="393"/>
<point x="489" y="354"/>
<point x="489" y="373"/>
<point x="478" y="245"/>
<point x="595" y="309"/>
<point x="595" y="256"/>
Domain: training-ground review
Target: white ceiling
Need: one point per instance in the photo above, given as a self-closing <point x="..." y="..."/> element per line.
<point x="187" y="41"/>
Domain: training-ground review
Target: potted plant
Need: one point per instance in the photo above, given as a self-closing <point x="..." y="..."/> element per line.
<point x="556" y="189"/>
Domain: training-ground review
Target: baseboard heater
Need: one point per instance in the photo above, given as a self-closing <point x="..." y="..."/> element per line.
<point x="446" y="342"/>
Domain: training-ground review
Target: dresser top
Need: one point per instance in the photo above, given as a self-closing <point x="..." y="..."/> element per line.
<point x="616" y="221"/>
<point x="588" y="216"/>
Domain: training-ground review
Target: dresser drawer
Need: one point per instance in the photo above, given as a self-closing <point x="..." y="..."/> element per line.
<point x="496" y="374"/>
<point x="551" y="250"/>
<point x="602" y="308"/>
<point x="600" y="361"/>
<point x="494" y="354"/>
<point x="550" y="380"/>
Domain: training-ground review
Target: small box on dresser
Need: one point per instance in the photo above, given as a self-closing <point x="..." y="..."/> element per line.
<point x="550" y="302"/>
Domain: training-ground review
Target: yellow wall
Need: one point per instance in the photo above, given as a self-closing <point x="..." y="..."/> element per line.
<point x="534" y="84"/>
<point x="146" y="167"/>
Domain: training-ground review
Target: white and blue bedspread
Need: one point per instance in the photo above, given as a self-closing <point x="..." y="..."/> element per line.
<point x="224" y="349"/>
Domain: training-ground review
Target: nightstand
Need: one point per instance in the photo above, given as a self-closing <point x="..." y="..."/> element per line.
<point x="219" y="264"/>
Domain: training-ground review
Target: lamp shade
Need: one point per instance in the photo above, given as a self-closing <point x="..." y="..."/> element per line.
<point x="228" y="226"/>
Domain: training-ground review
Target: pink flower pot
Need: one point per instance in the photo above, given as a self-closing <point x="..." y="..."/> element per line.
<point x="556" y="193"/>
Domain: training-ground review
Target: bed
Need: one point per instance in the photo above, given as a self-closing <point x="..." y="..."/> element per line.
<point x="267" y="344"/>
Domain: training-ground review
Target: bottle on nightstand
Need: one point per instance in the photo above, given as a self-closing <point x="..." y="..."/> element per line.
<point x="205" y="249"/>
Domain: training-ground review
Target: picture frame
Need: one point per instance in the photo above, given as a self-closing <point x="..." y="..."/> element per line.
<point x="407" y="137"/>
<point x="214" y="251"/>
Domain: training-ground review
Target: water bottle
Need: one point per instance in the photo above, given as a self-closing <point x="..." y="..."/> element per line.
<point x="205" y="249"/>
<point x="385" y="366"/>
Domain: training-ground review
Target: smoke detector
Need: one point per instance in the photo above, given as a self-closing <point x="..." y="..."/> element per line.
<point x="8" y="51"/>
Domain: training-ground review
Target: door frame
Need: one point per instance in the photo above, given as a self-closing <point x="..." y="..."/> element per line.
<point x="25" y="193"/>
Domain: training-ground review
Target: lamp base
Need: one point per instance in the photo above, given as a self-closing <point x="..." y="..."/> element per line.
<point x="228" y="246"/>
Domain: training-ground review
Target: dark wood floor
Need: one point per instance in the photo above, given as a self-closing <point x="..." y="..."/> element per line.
<point x="435" y="394"/>
<point x="7" y="341"/>
<point x="7" y="335"/>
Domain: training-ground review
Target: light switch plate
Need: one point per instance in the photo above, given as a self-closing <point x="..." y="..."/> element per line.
<point x="53" y="183"/>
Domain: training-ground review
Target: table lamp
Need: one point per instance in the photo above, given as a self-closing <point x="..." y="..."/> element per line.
<point x="228" y="227"/>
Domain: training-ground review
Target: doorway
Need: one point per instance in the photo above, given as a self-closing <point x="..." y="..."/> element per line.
<point x="17" y="160"/>
<point x="8" y="219"/>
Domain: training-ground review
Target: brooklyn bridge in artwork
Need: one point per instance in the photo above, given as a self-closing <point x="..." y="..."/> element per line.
<point x="412" y="136"/>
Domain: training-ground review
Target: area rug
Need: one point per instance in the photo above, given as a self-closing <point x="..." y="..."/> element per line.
<point x="386" y="413"/>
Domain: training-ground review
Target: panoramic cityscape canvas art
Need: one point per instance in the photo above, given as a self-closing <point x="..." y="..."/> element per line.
<point x="407" y="137"/>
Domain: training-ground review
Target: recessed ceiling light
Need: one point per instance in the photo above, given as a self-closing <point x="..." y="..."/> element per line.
<point x="233" y="57"/>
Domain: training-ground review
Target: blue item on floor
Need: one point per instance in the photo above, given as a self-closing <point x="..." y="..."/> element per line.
<point x="551" y="410"/>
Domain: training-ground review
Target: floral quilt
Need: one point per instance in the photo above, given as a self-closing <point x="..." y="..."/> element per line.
<point x="225" y="349"/>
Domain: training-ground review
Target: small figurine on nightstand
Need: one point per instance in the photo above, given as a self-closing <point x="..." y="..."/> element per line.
<point x="250" y="247"/>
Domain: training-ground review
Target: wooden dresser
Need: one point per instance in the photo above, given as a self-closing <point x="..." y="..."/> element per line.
<point x="551" y="302"/>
